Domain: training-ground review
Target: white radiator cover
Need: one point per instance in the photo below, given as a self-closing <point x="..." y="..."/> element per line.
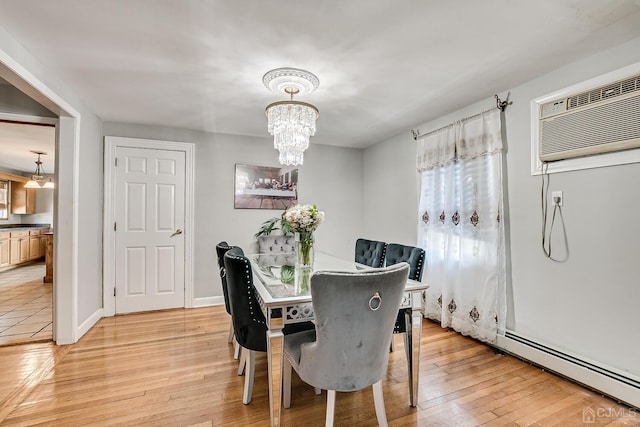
<point x="619" y="385"/>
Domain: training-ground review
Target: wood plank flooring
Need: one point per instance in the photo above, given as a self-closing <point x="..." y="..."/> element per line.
<point x="175" y="368"/>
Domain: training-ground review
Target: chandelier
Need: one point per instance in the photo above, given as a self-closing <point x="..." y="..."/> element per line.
<point x="291" y="122"/>
<point x="38" y="179"/>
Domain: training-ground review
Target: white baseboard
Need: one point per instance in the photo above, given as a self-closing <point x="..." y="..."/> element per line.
<point x="620" y="386"/>
<point x="207" y="302"/>
<point x="84" y="327"/>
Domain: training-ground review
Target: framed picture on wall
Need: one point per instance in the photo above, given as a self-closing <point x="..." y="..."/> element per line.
<point x="265" y="187"/>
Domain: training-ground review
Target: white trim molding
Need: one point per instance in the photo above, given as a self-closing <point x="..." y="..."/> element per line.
<point x="207" y="302"/>
<point x="620" y="385"/>
<point x="92" y="320"/>
<point x="65" y="294"/>
<point x="108" y="270"/>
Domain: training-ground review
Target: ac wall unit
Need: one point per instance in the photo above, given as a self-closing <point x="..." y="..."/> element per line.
<point x="600" y="120"/>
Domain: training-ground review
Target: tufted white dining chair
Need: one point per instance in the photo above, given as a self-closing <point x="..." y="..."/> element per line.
<point x="274" y="244"/>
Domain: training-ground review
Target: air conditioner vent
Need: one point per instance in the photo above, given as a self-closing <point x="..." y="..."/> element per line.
<point x="589" y="124"/>
<point x="600" y="128"/>
<point x="604" y="92"/>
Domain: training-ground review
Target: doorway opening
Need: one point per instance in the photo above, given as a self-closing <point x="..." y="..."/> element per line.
<point x="26" y="221"/>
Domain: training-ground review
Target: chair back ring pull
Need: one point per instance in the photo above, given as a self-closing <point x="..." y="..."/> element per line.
<point x="375" y="302"/>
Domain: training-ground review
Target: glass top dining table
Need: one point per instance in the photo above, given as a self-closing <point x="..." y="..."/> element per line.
<point x="285" y="300"/>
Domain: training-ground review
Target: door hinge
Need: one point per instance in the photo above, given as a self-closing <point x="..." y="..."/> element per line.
<point x="114" y="291"/>
<point x="116" y="162"/>
<point x="115" y="227"/>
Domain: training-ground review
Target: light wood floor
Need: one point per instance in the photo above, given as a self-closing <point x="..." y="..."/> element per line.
<point x="175" y="368"/>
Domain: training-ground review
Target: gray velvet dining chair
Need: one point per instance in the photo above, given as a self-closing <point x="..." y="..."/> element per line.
<point x="370" y="252"/>
<point x="349" y="348"/>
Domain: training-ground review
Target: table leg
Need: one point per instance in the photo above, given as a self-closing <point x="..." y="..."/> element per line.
<point x="274" y="360"/>
<point x="412" y="347"/>
<point x="416" y="327"/>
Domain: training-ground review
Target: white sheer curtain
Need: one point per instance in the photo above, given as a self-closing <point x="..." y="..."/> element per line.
<point x="461" y="225"/>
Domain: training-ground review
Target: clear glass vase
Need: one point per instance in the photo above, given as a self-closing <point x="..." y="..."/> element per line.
<point x="304" y="250"/>
<point x="304" y="261"/>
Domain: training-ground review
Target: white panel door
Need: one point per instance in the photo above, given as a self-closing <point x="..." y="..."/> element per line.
<point x="149" y="243"/>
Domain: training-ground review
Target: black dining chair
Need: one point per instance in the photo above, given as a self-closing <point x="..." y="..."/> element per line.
<point x="221" y="249"/>
<point x="415" y="258"/>
<point x="370" y="252"/>
<point x="249" y="323"/>
<point x="349" y="348"/>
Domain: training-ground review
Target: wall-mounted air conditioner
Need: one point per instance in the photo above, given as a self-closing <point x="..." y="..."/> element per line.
<point x="600" y="120"/>
<point x="595" y="117"/>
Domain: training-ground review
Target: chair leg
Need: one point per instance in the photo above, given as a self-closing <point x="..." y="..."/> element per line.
<point x="331" y="407"/>
<point x="248" y="376"/>
<point x="236" y="351"/>
<point x="286" y="384"/>
<point x="231" y="334"/>
<point x="243" y="360"/>
<point x="378" y="400"/>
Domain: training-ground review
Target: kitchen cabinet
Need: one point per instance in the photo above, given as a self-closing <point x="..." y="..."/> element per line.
<point x="4" y="199"/>
<point x="4" y="249"/>
<point x="34" y="245"/>
<point x="48" y="260"/>
<point x="19" y="247"/>
<point x="22" y="245"/>
<point x="23" y="200"/>
<point x="43" y="243"/>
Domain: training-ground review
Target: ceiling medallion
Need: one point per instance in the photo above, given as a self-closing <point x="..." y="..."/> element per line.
<point x="291" y="122"/>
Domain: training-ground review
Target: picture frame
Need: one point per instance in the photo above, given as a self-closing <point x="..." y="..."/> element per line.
<point x="265" y="187"/>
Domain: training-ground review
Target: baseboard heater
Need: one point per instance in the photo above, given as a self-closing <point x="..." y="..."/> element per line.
<point x="617" y="385"/>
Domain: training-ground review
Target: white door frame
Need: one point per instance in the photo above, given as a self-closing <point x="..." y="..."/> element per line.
<point x="109" y="236"/>
<point x="65" y="199"/>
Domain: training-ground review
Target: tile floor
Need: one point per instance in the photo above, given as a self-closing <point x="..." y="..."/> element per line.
<point x="25" y="305"/>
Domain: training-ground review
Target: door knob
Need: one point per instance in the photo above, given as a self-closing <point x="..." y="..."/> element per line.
<point x="175" y="233"/>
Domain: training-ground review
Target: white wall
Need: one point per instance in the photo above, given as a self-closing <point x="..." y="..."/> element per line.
<point x="15" y="102"/>
<point x="44" y="209"/>
<point x="73" y="312"/>
<point x="587" y="306"/>
<point x="331" y="178"/>
<point x="390" y="188"/>
<point x="90" y="199"/>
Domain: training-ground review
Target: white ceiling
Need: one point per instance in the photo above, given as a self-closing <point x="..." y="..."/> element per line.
<point x="384" y="66"/>
<point x="16" y="142"/>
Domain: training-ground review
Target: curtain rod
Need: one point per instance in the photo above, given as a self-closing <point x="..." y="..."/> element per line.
<point x="500" y="105"/>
